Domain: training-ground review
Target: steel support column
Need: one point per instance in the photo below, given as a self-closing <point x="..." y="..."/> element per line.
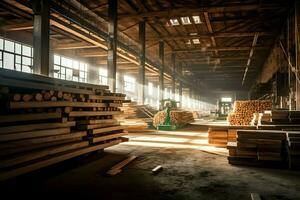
<point x="141" y="75"/>
<point x="161" y="72"/>
<point x="41" y="32"/>
<point x="112" y="44"/>
<point x="173" y="61"/>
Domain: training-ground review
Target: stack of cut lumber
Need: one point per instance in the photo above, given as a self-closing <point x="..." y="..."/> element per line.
<point x="243" y="111"/>
<point x="219" y="136"/>
<point x="280" y="116"/>
<point x="258" y="148"/>
<point x="136" y="117"/>
<point x="44" y="121"/>
<point x="178" y="117"/>
<point x="293" y="138"/>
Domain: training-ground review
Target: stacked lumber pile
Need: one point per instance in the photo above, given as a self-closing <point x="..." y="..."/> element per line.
<point x="243" y="111"/>
<point x="44" y="121"/>
<point x="258" y="148"/>
<point x="219" y="136"/>
<point x="294" y="149"/>
<point x="136" y="117"/>
<point x="178" y="117"/>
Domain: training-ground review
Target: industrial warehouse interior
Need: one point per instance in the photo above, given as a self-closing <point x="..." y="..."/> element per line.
<point x="150" y="99"/>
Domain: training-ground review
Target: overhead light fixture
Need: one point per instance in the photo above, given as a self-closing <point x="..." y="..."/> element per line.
<point x="185" y="20"/>
<point x="197" y="20"/>
<point x="174" y="22"/>
<point x="193" y="33"/>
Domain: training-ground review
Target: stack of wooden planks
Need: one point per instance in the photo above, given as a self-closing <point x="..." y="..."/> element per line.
<point x="179" y="118"/>
<point x="44" y="121"/>
<point x="219" y="136"/>
<point x="258" y="148"/>
<point x="293" y="141"/>
<point x="243" y="111"/>
<point x="136" y="117"/>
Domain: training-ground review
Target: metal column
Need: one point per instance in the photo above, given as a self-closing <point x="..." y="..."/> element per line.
<point x="41" y="31"/>
<point x="161" y="72"/>
<point x="141" y="78"/>
<point x="112" y="43"/>
<point x="173" y="57"/>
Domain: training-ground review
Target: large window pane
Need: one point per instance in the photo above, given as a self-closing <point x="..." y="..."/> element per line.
<point x="9" y="46"/>
<point x="8" y="61"/>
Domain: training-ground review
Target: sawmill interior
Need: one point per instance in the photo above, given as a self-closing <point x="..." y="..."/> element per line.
<point x="153" y="99"/>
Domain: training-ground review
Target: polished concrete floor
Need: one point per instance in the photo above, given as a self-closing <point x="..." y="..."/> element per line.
<point x="191" y="170"/>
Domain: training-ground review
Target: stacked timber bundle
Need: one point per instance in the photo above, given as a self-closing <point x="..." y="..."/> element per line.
<point x="136" y="117"/>
<point x="280" y="116"/>
<point x="219" y="136"/>
<point x="258" y="148"/>
<point x="44" y="121"/>
<point x="178" y="118"/>
<point x="243" y="111"/>
<point x="294" y="149"/>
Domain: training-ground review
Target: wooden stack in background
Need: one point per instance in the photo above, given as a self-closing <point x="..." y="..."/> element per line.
<point x="179" y="118"/>
<point x="259" y="148"/>
<point x="44" y="121"/>
<point x="243" y="111"/>
<point x="136" y="117"/>
<point x="293" y="141"/>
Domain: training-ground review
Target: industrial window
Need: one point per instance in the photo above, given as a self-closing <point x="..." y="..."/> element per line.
<point x="226" y="99"/>
<point x="129" y="83"/>
<point x="15" y="56"/>
<point x="197" y="20"/>
<point x="150" y="88"/>
<point x="185" y="20"/>
<point x="174" y="22"/>
<point x="69" y="69"/>
<point x="196" y="41"/>
<point x="103" y="76"/>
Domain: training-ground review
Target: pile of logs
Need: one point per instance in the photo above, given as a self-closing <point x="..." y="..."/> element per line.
<point x="178" y="118"/>
<point x="258" y="148"/>
<point x="44" y="121"/>
<point x="243" y="111"/>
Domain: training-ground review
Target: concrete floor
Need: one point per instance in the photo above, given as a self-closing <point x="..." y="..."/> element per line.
<point x="192" y="170"/>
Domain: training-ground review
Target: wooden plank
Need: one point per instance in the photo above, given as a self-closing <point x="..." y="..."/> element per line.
<point x="98" y="97"/>
<point x="33" y="134"/>
<point x="34" y="141"/>
<point x="41" y="86"/>
<point x="93" y="113"/>
<point x="157" y="169"/>
<point x="42" y="153"/>
<point x="108" y="129"/>
<point x="107" y="137"/>
<point x="46" y="104"/>
<point x="29" y="117"/>
<point x="115" y="105"/>
<point x="96" y="121"/>
<point x="32" y="127"/>
<point x="54" y="159"/>
<point x="117" y="168"/>
<point x="94" y="126"/>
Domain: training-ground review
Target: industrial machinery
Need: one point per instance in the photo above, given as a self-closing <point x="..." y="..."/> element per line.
<point x="167" y="105"/>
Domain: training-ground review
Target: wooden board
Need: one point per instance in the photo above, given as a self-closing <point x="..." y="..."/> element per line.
<point x="96" y="121"/>
<point x="108" y="129"/>
<point x="42" y="153"/>
<point x="29" y="117"/>
<point x="117" y="168"/>
<point x="33" y="134"/>
<point x="47" y="104"/>
<point x="32" y="127"/>
<point x="107" y="137"/>
<point x="54" y="159"/>
<point x="98" y="97"/>
<point x="93" y="113"/>
<point x="94" y="126"/>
